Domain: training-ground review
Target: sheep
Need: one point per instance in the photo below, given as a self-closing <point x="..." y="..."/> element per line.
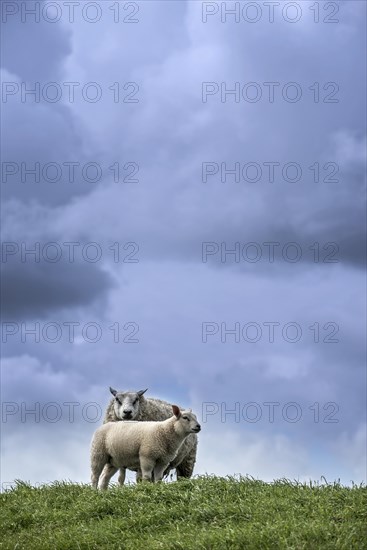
<point x="134" y="406"/>
<point x="149" y="446"/>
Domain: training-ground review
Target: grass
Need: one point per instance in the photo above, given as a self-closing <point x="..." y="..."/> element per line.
<point x="203" y="513"/>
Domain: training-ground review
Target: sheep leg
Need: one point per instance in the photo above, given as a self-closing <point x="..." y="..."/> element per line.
<point x="122" y="476"/>
<point x="98" y="463"/>
<point x="146" y="466"/>
<point x="109" y="471"/>
<point x="95" y="477"/>
<point x="186" y="467"/>
<point x="159" y="471"/>
<point x="104" y="471"/>
<point x="139" y="478"/>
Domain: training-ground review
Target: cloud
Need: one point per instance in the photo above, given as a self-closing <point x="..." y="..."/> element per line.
<point x="277" y="456"/>
<point x="43" y="141"/>
<point x="269" y="458"/>
<point x="351" y="447"/>
<point x="43" y="274"/>
<point x="25" y="62"/>
<point x="33" y="291"/>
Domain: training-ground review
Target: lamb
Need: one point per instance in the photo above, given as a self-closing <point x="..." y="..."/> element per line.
<point x="134" y="406"/>
<point x="148" y="446"/>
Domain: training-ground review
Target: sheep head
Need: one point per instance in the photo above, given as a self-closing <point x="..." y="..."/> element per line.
<point x="186" y="420"/>
<point x="127" y="404"/>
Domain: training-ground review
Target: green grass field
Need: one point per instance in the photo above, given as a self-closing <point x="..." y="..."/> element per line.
<point x="203" y="513"/>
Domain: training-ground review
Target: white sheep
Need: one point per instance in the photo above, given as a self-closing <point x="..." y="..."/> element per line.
<point x="133" y="405"/>
<point x="147" y="446"/>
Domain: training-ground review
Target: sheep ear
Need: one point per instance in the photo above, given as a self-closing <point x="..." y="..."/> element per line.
<point x="113" y="391"/>
<point x="190" y="410"/>
<point x="176" y="411"/>
<point x="140" y="393"/>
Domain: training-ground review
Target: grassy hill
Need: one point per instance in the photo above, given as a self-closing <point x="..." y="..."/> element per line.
<point x="203" y="513"/>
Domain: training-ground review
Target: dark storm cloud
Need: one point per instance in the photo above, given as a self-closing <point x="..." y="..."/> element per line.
<point x="39" y="131"/>
<point x="30" y="291"/>
<point x="42" y="143"/>
<point x="34" y="51"/>
<point x="171" y="193"/>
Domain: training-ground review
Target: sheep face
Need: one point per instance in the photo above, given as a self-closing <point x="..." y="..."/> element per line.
<point x="186" y="421"/>
<point x="126" y="404"/>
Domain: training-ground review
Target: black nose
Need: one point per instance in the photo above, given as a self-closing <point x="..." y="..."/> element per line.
<point x="127" y="413"/>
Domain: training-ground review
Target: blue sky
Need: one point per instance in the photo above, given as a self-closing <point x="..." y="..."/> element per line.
<point x="123" y="251"/>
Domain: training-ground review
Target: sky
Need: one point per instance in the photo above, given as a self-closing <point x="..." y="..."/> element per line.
<point x="183" y="210"/>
